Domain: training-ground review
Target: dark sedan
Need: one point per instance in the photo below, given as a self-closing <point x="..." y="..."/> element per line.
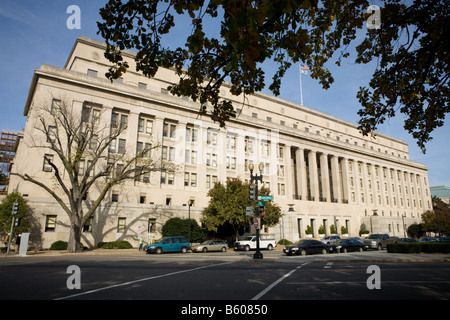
<point x="307" y="246"/>
<point x="347" y="245"/>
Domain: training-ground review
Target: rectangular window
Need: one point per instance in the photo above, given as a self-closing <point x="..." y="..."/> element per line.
<point x="56" y="107"/>
<point x="122" y="146"/>
<point x="48" y="158"/>
<point x="121" y="225"/>
<point x="169" y="130"/>
<point x="50" y="223"/>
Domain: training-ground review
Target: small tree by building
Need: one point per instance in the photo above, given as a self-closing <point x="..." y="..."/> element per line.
<point x="6" y="217"/>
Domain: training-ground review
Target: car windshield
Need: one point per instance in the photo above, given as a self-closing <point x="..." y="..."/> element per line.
<point x="299" y="242"/>
<point x="374" y="236"/>
<point x="248" y="238"/>
<point x="160" y="240"/>
<point x="206" y="242"/>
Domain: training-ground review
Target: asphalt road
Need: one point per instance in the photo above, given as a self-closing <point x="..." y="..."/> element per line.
<point x="195" y="278"/>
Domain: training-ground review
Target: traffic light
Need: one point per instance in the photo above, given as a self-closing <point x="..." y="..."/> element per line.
<point x="16" y="222"/>
<point x="261" y="210"/>
<point x="15" y="208"/>
<point x="252" y="191"/>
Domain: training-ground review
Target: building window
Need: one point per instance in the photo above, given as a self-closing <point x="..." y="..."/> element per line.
<point x="211" y="138"/>
<point x="122" y="146"/>
<point x="191" y="134"/>
<point x="145" y="126"/>
<point x="87" y="227"/>
<point x="121" y="225"/>
<point x="115" y="197"/>
<point x="50" y="223"/>
<point x="168" y="153"/>
<point x="167" y="177"/>
<point x="51" y="135"/>
<point x="48" y="159"/>
<point x="169" y="130"/>
<point x="56" y="107"/>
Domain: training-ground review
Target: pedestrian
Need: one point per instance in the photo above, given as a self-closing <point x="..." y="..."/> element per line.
<point x="141" y="243"/>
<point x="6" y="240"/>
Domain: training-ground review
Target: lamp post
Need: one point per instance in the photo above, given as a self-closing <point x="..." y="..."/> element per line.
<point x="256" y="178"/>
<point x="190" y="202"/>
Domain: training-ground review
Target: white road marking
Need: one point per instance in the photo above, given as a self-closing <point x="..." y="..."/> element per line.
<point x="140" y="280"/>
<point x="259" y="295"/>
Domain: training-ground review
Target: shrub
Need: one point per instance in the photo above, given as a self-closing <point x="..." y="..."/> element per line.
<point x="59" y="245"/>
<point x="414" y="247"/>
<point x="122" y="244"/>
<point x="418" y="247"/>
<point x="284" y="242"/>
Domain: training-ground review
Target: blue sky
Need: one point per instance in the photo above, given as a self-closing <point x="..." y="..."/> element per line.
<point x="35" y="32"/>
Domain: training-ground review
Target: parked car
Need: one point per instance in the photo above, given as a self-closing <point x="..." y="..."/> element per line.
<point x="306" y="246"/>
<point x="428" y="239"/>
<point x="168" y="244"/>
<point x="331" y="239"/>
<point x="211" y="245"/>
<point x="347" y="245"/>
<point x="445" y="239"/>
<point x="379" y="241"/>
<point x="408" y="240"/>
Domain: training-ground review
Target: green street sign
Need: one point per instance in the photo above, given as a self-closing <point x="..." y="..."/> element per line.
<point x="265" y="198"/>
<point x="260" y="203"/>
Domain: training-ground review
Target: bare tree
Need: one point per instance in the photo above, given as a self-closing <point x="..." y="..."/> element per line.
<point x="84" y="144"/>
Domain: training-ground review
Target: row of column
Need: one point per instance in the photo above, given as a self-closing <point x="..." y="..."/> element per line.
<point x="319" y="176"/>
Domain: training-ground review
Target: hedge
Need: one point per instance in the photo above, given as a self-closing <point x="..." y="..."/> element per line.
<point x="419" y="247"/>
<point x="115" y="245"/>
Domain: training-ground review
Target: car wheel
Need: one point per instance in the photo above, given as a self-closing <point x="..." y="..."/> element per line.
<point x="224" y="249"/>
<point x="158" y="250"/>
<point x="247" y="248"/>
<point x="324" y="251"/>
<point x="269" y="247"/>
<point x="344" y="250"/>
<point x="379" y="248"/>
<point x="360" y="249"/>
<point x="303" y="252"/>
<point x="183" y="250"/>
<point x="205" y="249"/>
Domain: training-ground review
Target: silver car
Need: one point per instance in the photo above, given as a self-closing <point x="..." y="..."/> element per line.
<point x="331" y="239"/>
<point x="211" y="245"/>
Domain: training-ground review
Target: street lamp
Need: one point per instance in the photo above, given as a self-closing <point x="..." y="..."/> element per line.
<point x="190" y="203"/>
<point x="256" y="178"/>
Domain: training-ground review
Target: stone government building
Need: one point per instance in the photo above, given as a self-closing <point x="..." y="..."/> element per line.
<point x="320" y="169"/>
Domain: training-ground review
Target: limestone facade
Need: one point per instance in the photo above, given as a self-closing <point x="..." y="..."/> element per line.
<point x="320" y="169"/>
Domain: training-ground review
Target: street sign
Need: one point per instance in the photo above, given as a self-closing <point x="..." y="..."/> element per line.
<point x="256" y="223"/>
<point x="265" y="198"/>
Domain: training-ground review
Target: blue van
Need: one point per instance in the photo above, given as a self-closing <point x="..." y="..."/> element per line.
<point x="168" y="244"/>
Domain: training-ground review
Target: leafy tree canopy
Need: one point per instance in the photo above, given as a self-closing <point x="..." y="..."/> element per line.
<point x="410" y="47"/>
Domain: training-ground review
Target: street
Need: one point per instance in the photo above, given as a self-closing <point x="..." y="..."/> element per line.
<point x="222" y="277"/>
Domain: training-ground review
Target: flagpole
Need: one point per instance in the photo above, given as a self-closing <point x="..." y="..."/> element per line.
<point x="301" y="91"/>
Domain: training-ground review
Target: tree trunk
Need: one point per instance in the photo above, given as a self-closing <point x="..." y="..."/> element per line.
<point x="75" y="235"/>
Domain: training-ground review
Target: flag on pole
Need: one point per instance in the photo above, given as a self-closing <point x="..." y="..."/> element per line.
<point x="304" y="69"/>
